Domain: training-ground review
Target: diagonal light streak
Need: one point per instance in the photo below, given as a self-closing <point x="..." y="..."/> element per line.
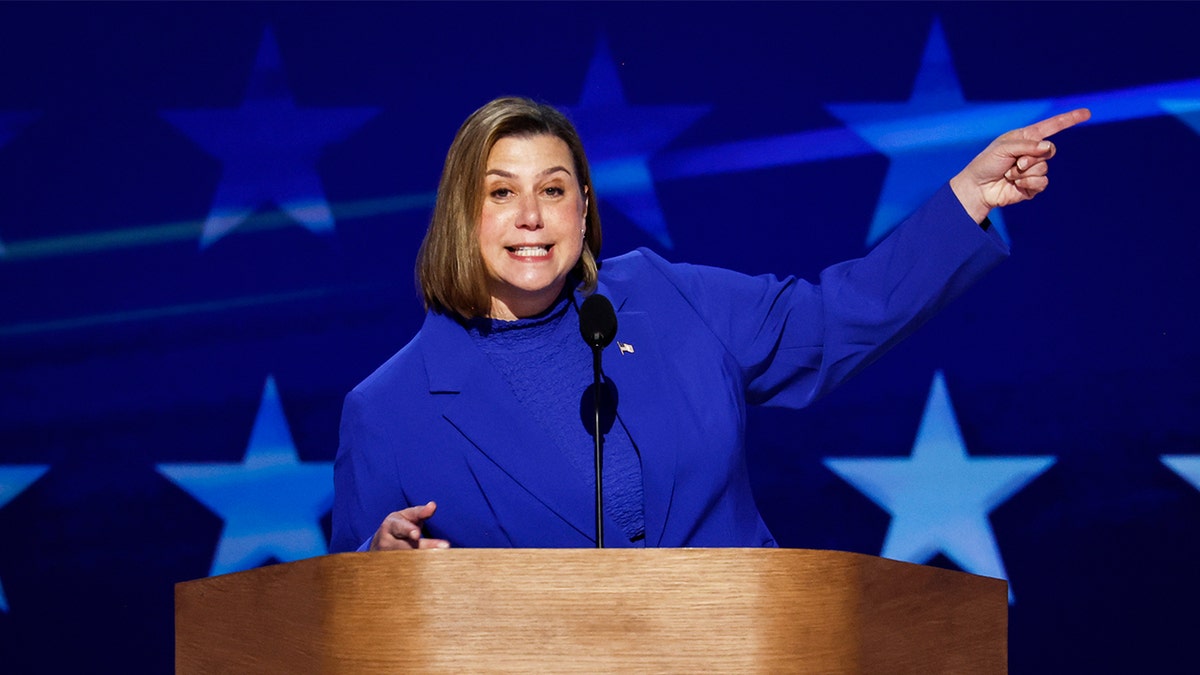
<point x="761" y="153"/>
<point x="189" y="230"/>
<point x="838" y="143"/>
<point x="1131" y="103"/>
<point x="183" y="309"/>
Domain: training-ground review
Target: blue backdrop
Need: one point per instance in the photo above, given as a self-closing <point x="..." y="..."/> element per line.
<point x="209" y="213"/>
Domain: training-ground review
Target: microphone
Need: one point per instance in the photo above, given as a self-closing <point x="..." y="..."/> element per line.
<point x="598" y="326"/>
<point x="597" y="321"/>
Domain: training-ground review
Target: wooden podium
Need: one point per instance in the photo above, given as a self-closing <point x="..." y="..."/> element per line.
<point x="587" y="610"/>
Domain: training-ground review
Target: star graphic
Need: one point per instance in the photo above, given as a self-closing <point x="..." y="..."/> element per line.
<point x="939" y="497"/>
<point x="1186" y="109"/>
<point x="11" y="124"/>
<point x="932" y="136"/>
<point x="269" y="147"/>
<point x="1187" y="466"/>
<point x="271" y="502"/>
<point x="621" y="138"/>
<point x="13" y="481"/>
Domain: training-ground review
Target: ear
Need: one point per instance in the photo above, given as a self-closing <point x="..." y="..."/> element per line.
<point x="583" y="228"/>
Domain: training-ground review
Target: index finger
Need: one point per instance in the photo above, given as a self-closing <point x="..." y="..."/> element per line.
<point x="417" y="515"/>
<point x="1050" y="126"/>
<point x="420" y="513"/>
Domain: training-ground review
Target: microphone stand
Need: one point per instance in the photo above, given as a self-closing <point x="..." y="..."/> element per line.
<point x="599" y="442"/>
<point x="598" y="326"/>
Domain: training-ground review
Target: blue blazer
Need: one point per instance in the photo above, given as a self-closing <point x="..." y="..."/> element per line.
<point x="438" y="421"/>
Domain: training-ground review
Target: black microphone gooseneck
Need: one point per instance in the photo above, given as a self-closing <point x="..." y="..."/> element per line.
<point x="598" y="325"/>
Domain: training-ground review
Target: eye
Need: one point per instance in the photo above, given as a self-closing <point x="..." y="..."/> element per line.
<point x="501" y="193"/>
<point x="555" y="191"/>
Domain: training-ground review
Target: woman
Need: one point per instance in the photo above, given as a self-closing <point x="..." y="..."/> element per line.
<point x="482" y="409"/>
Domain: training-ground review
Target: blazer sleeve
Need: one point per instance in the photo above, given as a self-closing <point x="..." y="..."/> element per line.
<point x="793" y="341"/>
<point x="357" y="475"/>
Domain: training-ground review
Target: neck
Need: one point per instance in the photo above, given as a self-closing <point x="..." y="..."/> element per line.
<point x="524" y="305"/>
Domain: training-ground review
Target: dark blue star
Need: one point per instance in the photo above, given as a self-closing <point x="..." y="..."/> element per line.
<point x="272" y="503"/>
<point x="621" y="138"/>
<point x="932" y="136"/>
<point x="13" y="481"/>
<point x="269" y="147"/>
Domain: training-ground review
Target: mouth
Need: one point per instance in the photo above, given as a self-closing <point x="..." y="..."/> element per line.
<point x="530" y="251"/>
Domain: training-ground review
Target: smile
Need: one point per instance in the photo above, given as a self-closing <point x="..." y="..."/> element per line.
<point x="529" y="251"/>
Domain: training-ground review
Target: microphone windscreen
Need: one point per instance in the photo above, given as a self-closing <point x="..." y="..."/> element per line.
<point x="597" y="321"/>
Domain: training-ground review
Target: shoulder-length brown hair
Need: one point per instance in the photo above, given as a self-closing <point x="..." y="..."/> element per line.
<point x="450" y="269"/>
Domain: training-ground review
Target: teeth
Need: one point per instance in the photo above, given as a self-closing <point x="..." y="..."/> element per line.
<point x="530" y="251"/>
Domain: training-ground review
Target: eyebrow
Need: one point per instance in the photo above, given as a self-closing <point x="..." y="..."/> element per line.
<point x="505" y="174"/>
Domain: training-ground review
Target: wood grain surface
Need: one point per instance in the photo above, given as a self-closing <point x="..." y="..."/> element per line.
<point x="584" y="610"/>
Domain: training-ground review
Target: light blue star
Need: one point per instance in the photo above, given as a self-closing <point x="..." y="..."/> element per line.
<point x="939" y="497"/>
<point x="932" y="136"/>
<point x="1187" y="110"/>
<point x="269" y="147"/>
<point x="11" y="124"/>
<point x="13" y="481"/>
<point x="272" y="503"/>
<point x="621" y="139"/>
<point x="1187" y="466"/>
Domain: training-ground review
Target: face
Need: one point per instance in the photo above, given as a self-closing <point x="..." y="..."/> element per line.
<point x="531" y="229"/>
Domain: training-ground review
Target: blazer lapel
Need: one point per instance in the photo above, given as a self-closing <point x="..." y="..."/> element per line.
<point x="637" y="372"/>
<point x="481" y="405"/>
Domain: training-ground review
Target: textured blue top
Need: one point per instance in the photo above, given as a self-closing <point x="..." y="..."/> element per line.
<point x="549" y="367"/>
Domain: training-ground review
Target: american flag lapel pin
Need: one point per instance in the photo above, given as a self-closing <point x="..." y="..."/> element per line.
<point x="625" y="347"/>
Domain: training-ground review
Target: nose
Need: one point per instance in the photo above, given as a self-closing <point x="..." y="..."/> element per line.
<point x="529" y="216"/>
